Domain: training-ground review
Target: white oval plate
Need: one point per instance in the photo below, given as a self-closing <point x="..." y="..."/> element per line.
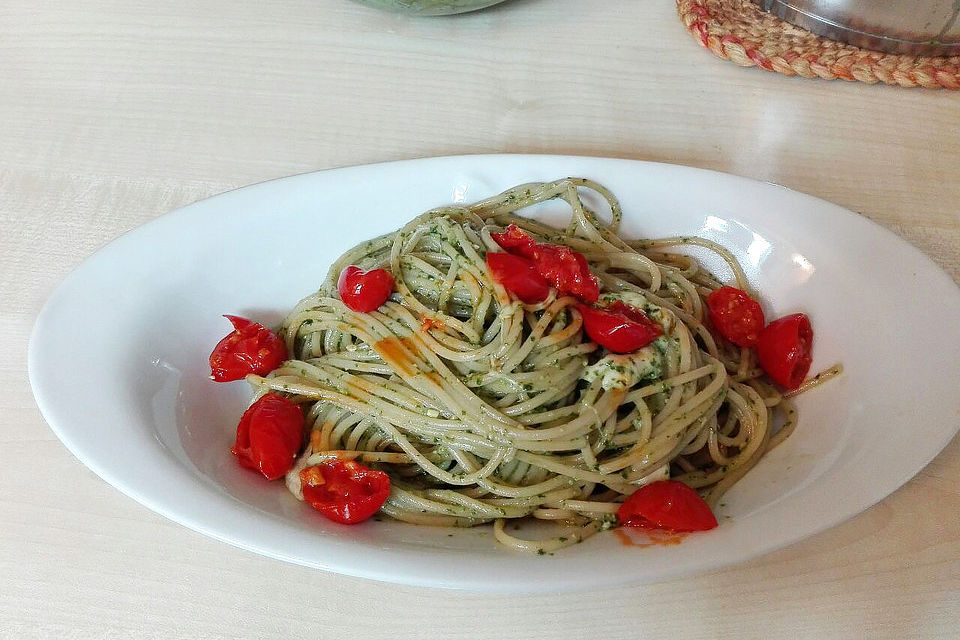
<point x="118" y="361"/>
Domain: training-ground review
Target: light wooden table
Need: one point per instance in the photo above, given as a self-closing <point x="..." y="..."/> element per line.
<point x="115" y="111"/>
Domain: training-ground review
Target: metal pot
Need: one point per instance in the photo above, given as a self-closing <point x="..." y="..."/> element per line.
<point x="918" y="27"/>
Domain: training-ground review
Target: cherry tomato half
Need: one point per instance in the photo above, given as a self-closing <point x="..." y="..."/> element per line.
<point x="735" y="315"/>
<point x="561" y="266"/>
<point x="784" y="349"/>
<point x="519" y="276"/>
<point x="619" y="327"/>
<point x="249" y="348"/>
<point x="568" y="271"/>
<point x="345" y="492"/>
<point x="668" y="505"/>
<point x="515" y="240"/>
<point x="269" y="436"/>
<point x="364" y="291"/>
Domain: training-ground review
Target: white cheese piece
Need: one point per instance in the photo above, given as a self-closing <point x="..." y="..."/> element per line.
<point x="624" y="370"/>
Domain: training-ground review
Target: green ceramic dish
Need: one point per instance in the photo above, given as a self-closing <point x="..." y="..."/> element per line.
<point x="430" y="7"/>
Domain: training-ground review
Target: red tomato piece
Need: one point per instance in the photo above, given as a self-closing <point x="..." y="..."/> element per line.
<point x="519" y="276"/>
<point x="345" y="492"/>
<point x="567" y="270"/>
<point x="785" y="349"/>
<point x="364" y="291"/>
<point x="561" y="266"/>
<point x="619" y="327"/>
<point x="269" y="436"/>
<point x="514" y="240"/>
<point x="249" y="348"/>
<point x="669" y="505"/>
<point x="736" y="316"/>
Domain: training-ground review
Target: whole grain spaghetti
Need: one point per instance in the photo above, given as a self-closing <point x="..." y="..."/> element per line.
<point x="483" y="409"/>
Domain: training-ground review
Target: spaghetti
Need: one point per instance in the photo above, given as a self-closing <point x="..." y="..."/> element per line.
<point x="484" y="409"/>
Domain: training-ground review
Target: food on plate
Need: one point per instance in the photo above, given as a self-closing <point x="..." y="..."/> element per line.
<point x="478" y="366"/>
<point x="249" y="348"/>
<point x="345" y="492"/>
<point x="269" y="436"/>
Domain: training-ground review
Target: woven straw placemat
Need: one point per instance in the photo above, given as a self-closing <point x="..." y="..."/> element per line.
<point x="739" y="31"/>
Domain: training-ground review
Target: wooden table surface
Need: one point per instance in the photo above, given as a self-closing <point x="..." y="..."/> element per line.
<point x="115" y="111"/>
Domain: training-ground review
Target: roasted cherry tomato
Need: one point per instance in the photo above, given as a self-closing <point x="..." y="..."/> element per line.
<point x="568" y="271"/>
<point x="736" y="316"/>
<point x="250" y="348"/>
<point x="345" y="492"/>
<point x="619" y="327"/>
<point x="784" y="350"/>
<point x="561" y="266"/>
<point x="668" y="505"/>
<point x="364" y="291"/>
<point x="269" y="436"/>
<point x="515" y="240"/>
<point x="519" y="276"/>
